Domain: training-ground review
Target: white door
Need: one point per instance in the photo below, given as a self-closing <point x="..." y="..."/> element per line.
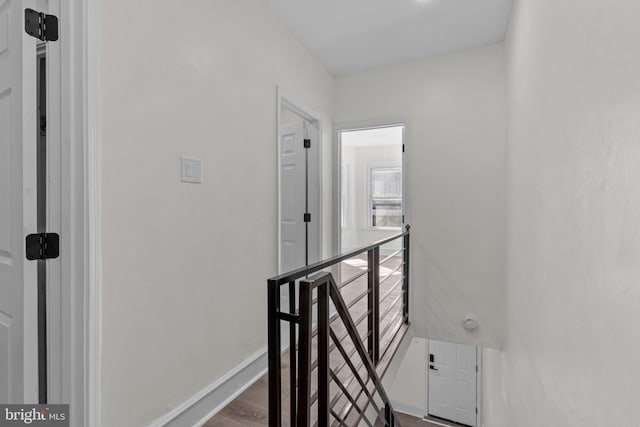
<point x="292" y="196"/>
<point x="452" y="381"/>
<point x="18" y="277"/>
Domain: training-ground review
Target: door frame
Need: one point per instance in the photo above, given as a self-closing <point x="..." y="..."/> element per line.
<point x="72" y="116"/>
<point x="284" y="100"/>
<point x="77" y="133"/>
<point x="478" y="381"/>
<point x="87" y="21"/>
<point x="337" y="169"/>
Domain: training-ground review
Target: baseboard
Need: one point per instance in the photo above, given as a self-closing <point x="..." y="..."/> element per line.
<point x="407" y="409"/>
<point x="199" y="408"/>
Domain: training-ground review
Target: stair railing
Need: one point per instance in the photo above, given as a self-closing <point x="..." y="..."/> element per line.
<point x="362" y="394"/>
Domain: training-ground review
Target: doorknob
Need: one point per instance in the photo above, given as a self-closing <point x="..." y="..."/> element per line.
<point x="433" y="368"/>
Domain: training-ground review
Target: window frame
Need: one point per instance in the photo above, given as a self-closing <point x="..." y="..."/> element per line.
<point x="370" y="197"/>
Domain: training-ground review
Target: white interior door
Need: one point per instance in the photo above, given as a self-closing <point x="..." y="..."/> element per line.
<point x="18" y="277"/>
<point x="452" y="381"/>
<point x="292" y="196"/>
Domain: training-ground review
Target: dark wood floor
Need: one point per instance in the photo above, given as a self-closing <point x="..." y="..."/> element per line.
<point x="249" y="409"/>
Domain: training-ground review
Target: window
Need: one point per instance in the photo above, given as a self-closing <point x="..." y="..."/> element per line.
<point x="385" y="198"/>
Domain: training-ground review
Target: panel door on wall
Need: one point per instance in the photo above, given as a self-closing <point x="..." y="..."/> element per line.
<point x="452" y="381"/>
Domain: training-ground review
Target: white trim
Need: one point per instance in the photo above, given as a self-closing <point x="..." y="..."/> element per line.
<point x="438" y="423"/>
<point x="196" y="410"/>
<point x="297" y="107"/>
<point x="92" y="219"/>
<point x="337" y="170"/>
<point x="58" y="321"/>
<point x="479" y="386"/>
<point x="426" y="377"/>
<point x="278" y="192"/>
<point x="284" y="100"/>
<point x="414" y="411"/>
<point x="80" y="204"/>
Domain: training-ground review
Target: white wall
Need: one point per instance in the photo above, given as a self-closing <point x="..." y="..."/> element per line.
<point x="573" y="239"/>
<point x="493" y="389"/>
<point x="185" y="265"/>
<point x="455" y="106"/>
<point x="408" y="392"/>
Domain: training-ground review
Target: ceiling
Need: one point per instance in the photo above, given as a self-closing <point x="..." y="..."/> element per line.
<point x="349" y="36"/>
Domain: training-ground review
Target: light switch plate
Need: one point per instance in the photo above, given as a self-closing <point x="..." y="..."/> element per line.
<point x="191" y="170"/>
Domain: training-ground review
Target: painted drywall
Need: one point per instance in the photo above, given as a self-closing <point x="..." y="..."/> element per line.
<point x="356" y="164"/>
<point x="493" y="389"/>
<point x="408" y="392"/>
<point x="185" y="265"/>
<point x="454" y="106"/>
<point x="573" y="237"/>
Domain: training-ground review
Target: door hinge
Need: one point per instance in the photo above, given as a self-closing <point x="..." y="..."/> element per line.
<point x="476" y="368"/>
<point x="307" y="217"/>
<point x="40" y="25"/>
<point x="476" y="411"/>
<point x="307" y="143"/>
<point x="403" y="148"/>
<point x="43" y="246"/>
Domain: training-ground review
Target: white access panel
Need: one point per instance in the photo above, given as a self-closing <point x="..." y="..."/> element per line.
<point x="452" y="381"/>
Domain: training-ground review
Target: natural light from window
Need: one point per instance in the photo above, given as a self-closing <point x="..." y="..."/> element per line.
<point x="371" y="184"/>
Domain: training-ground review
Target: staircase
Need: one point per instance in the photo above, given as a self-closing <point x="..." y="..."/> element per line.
<point x="342" y="337"/>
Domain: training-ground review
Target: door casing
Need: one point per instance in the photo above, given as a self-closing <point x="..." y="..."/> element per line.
<point x="73" y="193"/>
<point x="337" y="170"/>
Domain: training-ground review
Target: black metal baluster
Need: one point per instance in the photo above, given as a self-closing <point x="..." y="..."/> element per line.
<point x="376" y="299"/>
<point x="323" y="355"/>
<point x="371" y="303"/>
<point x="304" y="355"/>
<point x="388" y="414"/>
<point x="405" y="302"/>
<point x="273" y="326"/>
<point x="293" y="371"/>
